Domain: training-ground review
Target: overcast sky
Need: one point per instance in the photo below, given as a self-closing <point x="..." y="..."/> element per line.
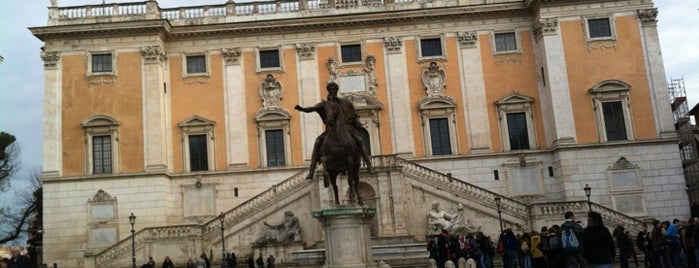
<point x="21" y="72"/>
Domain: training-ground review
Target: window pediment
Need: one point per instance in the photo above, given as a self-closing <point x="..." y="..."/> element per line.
<point x="102" y="196"/>
<point x="196" y="122"/>
<point x="277" y="114"/>
<point x="609" y="86"/>
<point x="514" y="102"/>
<point x="97" y="121"/>
<point x="437" y="102"/>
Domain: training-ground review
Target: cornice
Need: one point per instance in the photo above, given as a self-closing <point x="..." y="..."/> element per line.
<point x="297" y="24"/>
<point x="160" y="27"/>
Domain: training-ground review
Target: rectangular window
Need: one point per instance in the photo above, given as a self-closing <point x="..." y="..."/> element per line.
<point x="196" y="64"/>
<point x="505" y="42"/>
<point x="102" y="154"/>
<point x="269" y="59"/>
<point x="351" y="53"/>
<point x="599" y="28"/>
<point x="439" y="134"/>
<point x="102" y="63"/>
<point x="198" y="153"/>
<point x="431" y="47"/>
<point x="614" y="124"/>
<point x="275" y="147"/>
<point x="517" y="130"/>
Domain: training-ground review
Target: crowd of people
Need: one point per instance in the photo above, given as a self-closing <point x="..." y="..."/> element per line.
<point x="203" y="261"/>
<point x="570" y="245"/>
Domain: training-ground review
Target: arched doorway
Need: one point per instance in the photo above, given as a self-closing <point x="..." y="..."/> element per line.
<point x="369" y="197"/>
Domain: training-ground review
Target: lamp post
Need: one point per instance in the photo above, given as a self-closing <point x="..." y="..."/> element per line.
<point x="497" y="203"/>
<point x="588" y="191"/>
<point x="221" y="217"/>
<point x="132" y="220"/>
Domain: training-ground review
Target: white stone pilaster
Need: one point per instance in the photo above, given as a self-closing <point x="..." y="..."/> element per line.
<point x="556" y="77"/>
<point x="399" y="97"/>
<point x="236" y="114"/>
<point x="473" y="93"/>
<point x="154" y="112"/>
<point x="309" y="95"/>
<point x="52" y="155"/>
<point x="385" y="218"/>
<point x="655" y="70"/>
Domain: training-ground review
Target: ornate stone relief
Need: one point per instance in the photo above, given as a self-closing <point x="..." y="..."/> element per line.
<point x="392" y="44"/>
<point x="332" y="69"/>
<point x="102" y="196"/>
<point x="435" y="80"/>
<point x="605" y="44"/>
<point x="101" y="80"/>
<point x="50" y="59"/>
<point x="546" y="26"/>
<point x="509" y="57"/>
<point x="369" y="64"/>
<point x="153" y="54"/>
<point x="306" y="50"/>
<point x="648" y="17"/>
<point x="271" y="93"/>
<point x="467" y="39"/>
<point x="231" y="55"/>
<point x="623" y="163"/>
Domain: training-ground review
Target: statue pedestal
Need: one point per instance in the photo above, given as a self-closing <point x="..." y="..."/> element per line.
<point x="347" y="236"/>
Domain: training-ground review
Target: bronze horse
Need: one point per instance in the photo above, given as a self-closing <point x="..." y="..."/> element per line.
<point x="339" y="152"/>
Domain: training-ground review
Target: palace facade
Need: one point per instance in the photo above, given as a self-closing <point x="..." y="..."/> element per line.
<point x="184" y="117"/>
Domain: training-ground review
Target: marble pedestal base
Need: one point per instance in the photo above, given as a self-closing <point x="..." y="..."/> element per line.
<point x="347" y="236"/>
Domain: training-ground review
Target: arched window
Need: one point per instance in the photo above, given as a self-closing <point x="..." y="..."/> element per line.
<point x="610" y="100"/>
<point x="101" y="136"/>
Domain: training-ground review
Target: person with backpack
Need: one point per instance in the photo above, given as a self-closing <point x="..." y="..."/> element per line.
<point x="571" y="232"/>
<point x="554" y="253"/>
<point x="597" y="242"/>
<point x="525" y="252"/>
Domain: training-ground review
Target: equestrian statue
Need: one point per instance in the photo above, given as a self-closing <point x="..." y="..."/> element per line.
<point x="339" y="148"/>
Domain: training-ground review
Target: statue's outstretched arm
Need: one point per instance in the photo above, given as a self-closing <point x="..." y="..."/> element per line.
<point x="307" y="109"/>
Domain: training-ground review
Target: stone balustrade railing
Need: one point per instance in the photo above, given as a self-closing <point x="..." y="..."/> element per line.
<point x="610" y="217"/>
<point x="208" y="229"/>
<point x="249" y="207"/>
<point x="123" y="247"/>
<point x="484" y="197"/>
<point x="230" y="11"/>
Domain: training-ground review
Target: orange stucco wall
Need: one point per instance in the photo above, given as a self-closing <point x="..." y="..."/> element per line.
<point x="118" y="99"/>
<point x="505" y="77"/>
<point x="202" y="96"/>
<point x="289" y="81"/>
<point x="376" y="49"/>
<point x="588" y="67"/>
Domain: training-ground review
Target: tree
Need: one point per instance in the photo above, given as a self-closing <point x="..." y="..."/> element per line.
<point x="16" y="214"/>
<point x="9" y="159"/>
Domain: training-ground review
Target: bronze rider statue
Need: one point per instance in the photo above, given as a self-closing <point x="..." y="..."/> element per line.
<point x="352" y="126"/>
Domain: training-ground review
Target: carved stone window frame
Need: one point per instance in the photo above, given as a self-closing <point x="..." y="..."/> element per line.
<point x="197" y="125"/>
<point x="362" y="49"/>
<point x="418" y="46"/>
<point x="368" y="108"/>
<point x="436" y="108"/>
<point x="207" y="59"/>
<point x="90" y="53"/>
<point x="102" y="198"/>
<point x="518" y="42"/>
<point x="612" y="28"/>
<point x="101" y="125"/>
<point x="273" y="119"/>
<point x="516" y="103"/>
<point x="279" y="49"/>
<point x="621" y="166"/>
<point x="612" y="91"/>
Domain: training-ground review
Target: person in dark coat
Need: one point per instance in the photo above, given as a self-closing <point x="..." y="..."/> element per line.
<point x="597" y="242"/>
<point x="167" y="263"/>
<point x="624" y="244"/>
<point x="251" y="262"/>
<point x="232" y="260"/>
<point x="260" y="261"/>
<point x="511" y="248"/>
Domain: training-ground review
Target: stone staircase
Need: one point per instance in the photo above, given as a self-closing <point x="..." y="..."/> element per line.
<point x="399" y="251"/>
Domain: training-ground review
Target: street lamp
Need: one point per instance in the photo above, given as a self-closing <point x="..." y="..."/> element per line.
<point x="588" y="191"/>
<point x="497" y="203"/>
<point x="132" y="220"/>
<point x="221" y="217"/>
